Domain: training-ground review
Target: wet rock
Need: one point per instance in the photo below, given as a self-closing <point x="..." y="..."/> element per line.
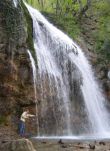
<point x="102" y="143"/>
<point x="92" y="146"/>
<point x="18" y="145"/>
<point x="41" y="24"/>
<point x="60" y="142"/>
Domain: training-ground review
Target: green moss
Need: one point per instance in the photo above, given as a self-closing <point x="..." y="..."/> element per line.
<point x="29" y="24"/>
<point x="3" y="120"/>
<point x="10" y="14"/>
<point x="13" y="23"/>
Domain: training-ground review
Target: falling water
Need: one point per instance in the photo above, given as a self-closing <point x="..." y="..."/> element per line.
<point x="35" y="81"/>
<point x="61" y="64"/>
<point x="93" y="95"/>
<point x="34" y="71"/>
<point x="15" y="2"/>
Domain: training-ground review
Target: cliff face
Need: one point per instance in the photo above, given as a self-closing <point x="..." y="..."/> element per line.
<point x="16" y="83"/>
<point x="101" y="64"/>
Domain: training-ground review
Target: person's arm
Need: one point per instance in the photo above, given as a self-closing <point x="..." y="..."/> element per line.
<point x="30" y="115"/>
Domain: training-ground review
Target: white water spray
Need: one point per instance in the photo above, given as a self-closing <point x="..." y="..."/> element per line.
<point x="15" y="3"/>
<point x="35" y="81"/>
<point x="93" y="95"/>
<point x="54" y="50"/>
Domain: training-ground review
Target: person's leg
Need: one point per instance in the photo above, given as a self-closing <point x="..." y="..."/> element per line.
<point x="21" y="130"/>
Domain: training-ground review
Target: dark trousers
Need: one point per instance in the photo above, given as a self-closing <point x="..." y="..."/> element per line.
<point x="22" y="128"/>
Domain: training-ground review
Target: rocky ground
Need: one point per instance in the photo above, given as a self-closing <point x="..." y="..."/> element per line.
<point x="44" y="145"/>
<point x="71" y="146"/>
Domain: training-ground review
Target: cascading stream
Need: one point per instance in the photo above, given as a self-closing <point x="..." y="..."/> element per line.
<point x="62" y="67"/>
<point x="15" y="2"/>
<point x="35" y="81"/>
<point x="93" y="95"/>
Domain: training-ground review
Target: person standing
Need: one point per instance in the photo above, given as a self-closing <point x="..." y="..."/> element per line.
<point x="25" y="115"/>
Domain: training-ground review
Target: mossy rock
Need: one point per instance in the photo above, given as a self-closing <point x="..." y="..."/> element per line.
<point x="29" y="24"/>
<point x="17" y="22"/>
<point x="3" y="120"/>
<point x="10" y="14"/>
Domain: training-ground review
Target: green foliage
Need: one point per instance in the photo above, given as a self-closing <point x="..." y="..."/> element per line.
<point x="65" y="23"/>
<point x="106" y="48"/>
<point x="63" y="18"/>
<point x="102" y="36"/>
<point x="58" y="6"/>
<point x="65" y="14"/>
<point x="33" y="3"/>
<point x="29" y="25"/>
<point x="10" y="14"/>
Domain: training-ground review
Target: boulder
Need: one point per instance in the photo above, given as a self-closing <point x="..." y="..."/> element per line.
<point x="17" y="145"/>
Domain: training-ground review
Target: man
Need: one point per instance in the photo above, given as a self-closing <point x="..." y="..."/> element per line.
<point x="25" y="115"/>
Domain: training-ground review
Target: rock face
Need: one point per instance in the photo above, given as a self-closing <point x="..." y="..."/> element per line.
<point x="101" y="66"/>
<point x="18" y="145"/>
<point x="16" y="83"/>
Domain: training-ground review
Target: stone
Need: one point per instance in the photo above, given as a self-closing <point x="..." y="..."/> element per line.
<point x="64" y="146"/>
<point x="17" y="145"/>
<point x="92" y="146"/>
<point x="102" y="143"/>
<point x="60" y="142"/>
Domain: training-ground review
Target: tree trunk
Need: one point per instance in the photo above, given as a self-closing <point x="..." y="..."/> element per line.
<point x="85" y="8"/>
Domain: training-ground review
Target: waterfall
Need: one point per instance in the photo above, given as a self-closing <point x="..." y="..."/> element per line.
<point x="70" y="99"/>
<point x="35" y="81"/>
<point x="93" y="95"/>
<point x="15" y="2"/>
<point x="34" y="72"/>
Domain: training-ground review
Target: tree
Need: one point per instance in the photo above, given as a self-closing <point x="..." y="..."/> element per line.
<point x="83" y="9"/>
<point x="41" y="2"/>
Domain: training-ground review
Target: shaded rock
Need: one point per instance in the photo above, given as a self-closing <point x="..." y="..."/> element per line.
<point x="16" y="80"/>
<point x="41" y="24"/>
<point x="60" y="142"/>
<point x="92" y="146"/>
<point x="44" y="142"/>
<point x="102" y="143"/>
<point x="64" y="146"/>
<point x="18" y="145"/>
